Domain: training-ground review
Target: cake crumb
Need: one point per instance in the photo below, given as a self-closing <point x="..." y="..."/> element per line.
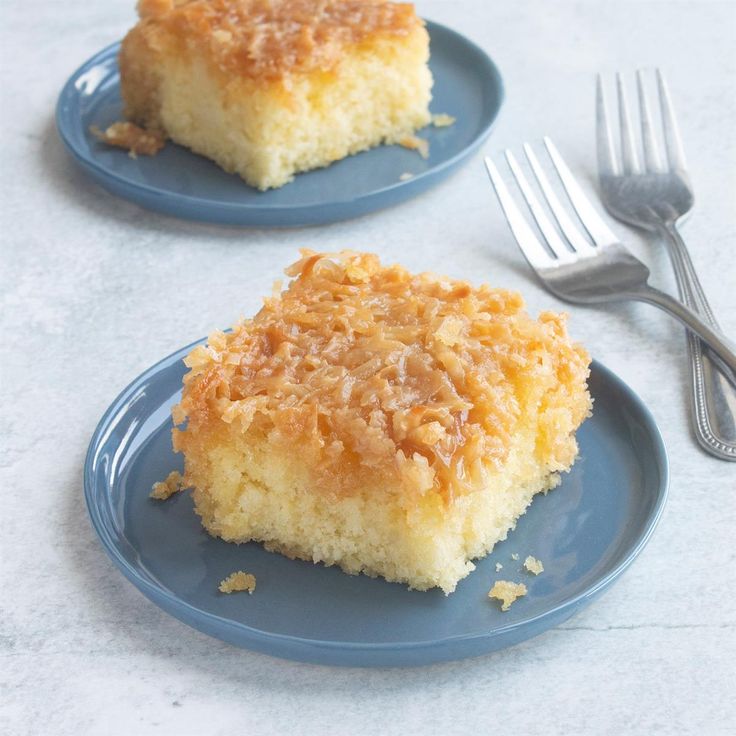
<point x="406" y="176"/>
<point x="130" y="136"/>
<point x="442" y="120"/>
<point x="514" y="556"/>
<point x="167" y="488"/>
<point x="533" y="565"/>
<point x="499" y="567"/>
<point x="238" y="581"/>
<point x="507" y="592"/>
<point x="416" y="144"/>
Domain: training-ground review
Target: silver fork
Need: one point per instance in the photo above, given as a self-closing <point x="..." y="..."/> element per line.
<point x="655" y="196"/>
<point x="576" y="270"/>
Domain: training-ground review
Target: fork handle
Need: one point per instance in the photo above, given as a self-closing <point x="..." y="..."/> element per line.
<point x="713" y="396"/>
<point x="713" y="338"/>
<point x="688" y="282"/>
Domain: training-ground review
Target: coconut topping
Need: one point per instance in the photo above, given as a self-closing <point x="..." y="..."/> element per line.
<point x="366" y="367"/>
<point x="270" y="38"/>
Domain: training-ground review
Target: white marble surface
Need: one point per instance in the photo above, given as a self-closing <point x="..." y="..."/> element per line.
<point x="94" y="290"/>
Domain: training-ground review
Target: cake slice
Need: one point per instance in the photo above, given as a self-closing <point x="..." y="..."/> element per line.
<point x="389" y="423"/>
<point x="268" y="88"/>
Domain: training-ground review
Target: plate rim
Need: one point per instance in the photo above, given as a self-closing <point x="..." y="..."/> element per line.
<point x="415" y="185"/>
<point x="175" y="605"/>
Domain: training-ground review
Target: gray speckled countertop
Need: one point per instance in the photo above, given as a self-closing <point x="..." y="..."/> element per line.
<point x="94" y="290"/>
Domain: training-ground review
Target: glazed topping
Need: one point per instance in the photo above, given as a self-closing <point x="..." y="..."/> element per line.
<point x="367" y="366"/>
<point x="270" y="38"/>
<point x="131" y="137"/>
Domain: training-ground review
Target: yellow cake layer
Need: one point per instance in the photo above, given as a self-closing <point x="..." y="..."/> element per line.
<point x="270" y="89"/>
<point x="246" y="491"/>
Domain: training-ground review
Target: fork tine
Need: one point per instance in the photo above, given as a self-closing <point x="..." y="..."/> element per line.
<point x="651" y="155"/>
<point x="554" y="241"/>
<point x="597" y="229"/>
<point x="606" y="153"/>
<point x="533" y="250"/>
<point x="672" y="140"/>
<point x="628" y="150"/>
<point x="572" y="233"/>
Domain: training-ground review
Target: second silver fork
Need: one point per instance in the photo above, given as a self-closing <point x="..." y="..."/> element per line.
<point x="655" y="194"/>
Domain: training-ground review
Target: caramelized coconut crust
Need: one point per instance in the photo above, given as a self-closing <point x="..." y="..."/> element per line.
<point x="270" y="39"/>
<point x="364" y="369"/>
<point x="131" y="137"/>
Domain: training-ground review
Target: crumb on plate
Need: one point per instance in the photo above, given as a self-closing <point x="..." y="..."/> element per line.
<point x="130" y="136"/>
<point x="167" y="488"/>
<point x="442" y="120"/>
<point x="515" y="556"/>
<point x="416" y="144"/>
<point x="238" y="581"/>
<point x="533" y="565"/>
<point x="507" y="592"/>
<point x="499" y="567"/>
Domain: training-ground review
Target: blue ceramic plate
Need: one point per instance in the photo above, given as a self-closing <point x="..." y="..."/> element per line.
<point x="586" y="532"/>
<point x="180" y="183"/>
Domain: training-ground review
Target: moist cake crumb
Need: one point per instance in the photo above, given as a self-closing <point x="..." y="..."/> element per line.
<point x="167" y="488"/>
<point x="238" y="581"/>
<point x="533" y="565"/>
<point x="131" y="137"/>
<point x="442" y="120"/>
<point x="507" y="592"/>
<point x="415" y="143"/>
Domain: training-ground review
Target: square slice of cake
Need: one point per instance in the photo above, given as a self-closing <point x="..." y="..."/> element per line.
<point x="389" y="423"/>
<point x="268" y="88"/>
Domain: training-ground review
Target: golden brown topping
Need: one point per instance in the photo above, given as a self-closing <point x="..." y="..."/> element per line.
<point x="272" y="37"/>
<point x="507" y="592"/>
<point x="238" y="581"/>
<point x="367" y="368"/>
<point x="130" y="136"/>
<point x="533" y="565"/>
<point x="165" y="489"/>
<point x="155" y="8"/>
